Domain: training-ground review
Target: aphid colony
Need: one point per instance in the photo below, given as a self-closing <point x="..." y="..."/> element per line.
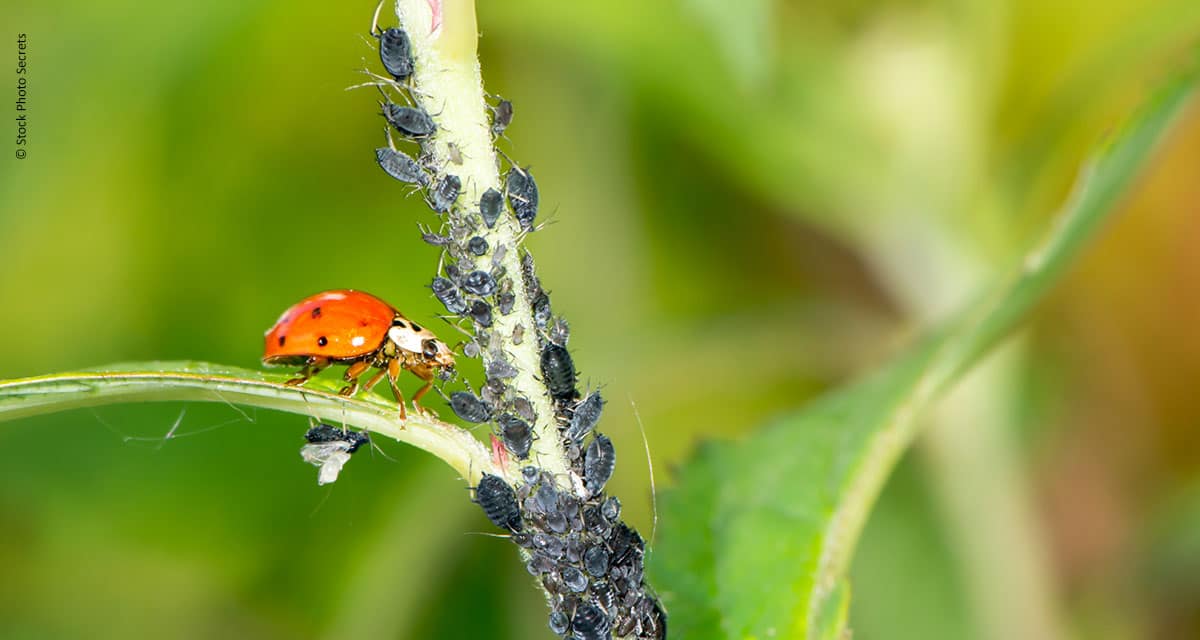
<point x="570" y="532"/>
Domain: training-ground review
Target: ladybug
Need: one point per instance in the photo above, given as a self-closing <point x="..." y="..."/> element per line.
<point x="356" y="328"/>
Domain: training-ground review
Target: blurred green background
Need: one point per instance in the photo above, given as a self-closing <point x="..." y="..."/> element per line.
<point x="750" y="205"/>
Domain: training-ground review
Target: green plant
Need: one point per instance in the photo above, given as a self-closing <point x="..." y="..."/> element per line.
<point x="776" y="515"/>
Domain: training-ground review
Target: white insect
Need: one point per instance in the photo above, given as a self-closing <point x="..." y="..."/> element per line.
<point x="329" y="457"/>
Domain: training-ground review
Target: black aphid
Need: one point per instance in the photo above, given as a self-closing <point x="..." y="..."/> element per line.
<point x="480" y="283"/>
<point x="400" y="166"/>
<point x="587" y="414"/>
<point x="654" y="619"/>
<point x="449" y="294"/>
<point x="598" y="463"/>
<point x="491" y="204"/>
<point x="469" y="407"/>
<point x="560" y="331"/>
<point x="558" y="372"/>
<point x="522" y="196"/>
<point x="481" y="313"/>
<point x="604" y="595"/>
<point x="559" y="622"/>
<point x="595" y="560"/>
<point x="395" y="52"/>
<point x="626" y="545"/>
<point x="590" y="622"/>
<point x="574" y="579"/>
<point x="541" y="310"/>
<point x="502" y="116"/>
<point x="524" y="408"/>
<point x="410" y="121"/>
<point x="477" y="245"/>
<point x="435" y="239"/>
<point x="325" y="433"/>
<point x="499" y="502"/>
<point x="444" y="193"/>
<point x="611" y="509"/>
<point x="516" y="435"/>
<point x="505" y="302"/>
<point x="501" y="368"/>
<point x="539" y="564"/>
<point x="547" y="498"/>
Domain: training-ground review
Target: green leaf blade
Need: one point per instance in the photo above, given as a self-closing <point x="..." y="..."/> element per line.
<point x="757" y="535"/>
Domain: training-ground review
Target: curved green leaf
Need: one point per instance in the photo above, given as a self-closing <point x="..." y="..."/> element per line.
<point x="757" y="535"/>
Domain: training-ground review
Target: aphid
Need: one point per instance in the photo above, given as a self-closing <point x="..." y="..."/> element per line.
<point x="590" y="622"/>
<point x="454" y="153"/>
<point x="522" y="196"/>
<point x="595" y="560"/>
<point x="480" y="283"/>
<point x="604" y="595"/>
<point x="491" y="203"/>
<point x="595" y="522"/>
<point x="533" y="286"/>
<point x="598" y="463"/>
<point x="481" y="313"/>
<point x="395" y="50"/>
<point x="329" y="448"/>
<point x="469" y="407"/>
<point x="524" y="408"/>
<point x="400" y="166"/>
<point x="356" y="328"/>
<point x="539" y="564"/>
<point x="435" y="239"/>
<point x="626" y="545"/>
<point x="516" y="435"/>
<point x="654" y="619"/>
<point x="547" y="498"/>
<point x="529" y="474"/>
<point x="558" y="372"/>
<point x="587" y="414"/>
<point x="559" y="331"/>
<point x="410" y="121"/>
<point x="541" y="310"/>
<point x="611" y="509"/>
<point x="502" y="115"/>
<point x="493" y="391"/>
<point x="477" y="245"/>
<point x="498" y="367"/>
<point x="449" y="294"/>
<point x="444" y="193"/>
<point x="518" y="334"/>
<point x="326" y="433"/>
<point x="574" y="548"/>
<point x="574" y="579"/>
<point x="559" y="622"/>
<point x="499" y="502"/>
<point x="505" y="301"/>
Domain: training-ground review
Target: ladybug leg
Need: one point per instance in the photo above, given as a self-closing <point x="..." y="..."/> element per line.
<point x="352" y="374"/>
<point x="312" y="368"/>
<point x="393" y="372"/>
<point x="374" y="380"/>
<point x="421" y="392"/>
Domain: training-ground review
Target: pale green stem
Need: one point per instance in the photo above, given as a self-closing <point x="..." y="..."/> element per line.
<point x="59" y="392"/>
<point x="447" y="83"/>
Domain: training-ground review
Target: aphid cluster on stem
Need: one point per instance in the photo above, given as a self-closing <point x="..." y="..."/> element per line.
<point x="588" y="561"/>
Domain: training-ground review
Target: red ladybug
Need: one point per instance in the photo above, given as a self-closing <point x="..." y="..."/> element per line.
<point x="356" y="328"/>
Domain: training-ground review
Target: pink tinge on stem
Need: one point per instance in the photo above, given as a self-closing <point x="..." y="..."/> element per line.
<point x="435" y="8"/>
<point x="499" y="454"/>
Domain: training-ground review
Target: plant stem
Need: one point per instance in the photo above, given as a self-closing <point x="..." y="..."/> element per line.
<point x="193" y="382"/>
<point x="447" y="83"/>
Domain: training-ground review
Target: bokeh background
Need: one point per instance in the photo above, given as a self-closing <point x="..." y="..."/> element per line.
<point x="751" y="202"/>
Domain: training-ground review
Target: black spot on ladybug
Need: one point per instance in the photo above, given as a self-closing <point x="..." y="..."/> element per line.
<point x="416" y="327"/>
<point x="282" y="339"/>
<point x="363" y="323"/>
<point x="322" y="341"/>
<point x="316" y="313"/>
<point x="400" y="323"/>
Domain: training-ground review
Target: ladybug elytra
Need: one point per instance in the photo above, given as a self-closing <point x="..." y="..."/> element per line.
<point x="357" y="329"/>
